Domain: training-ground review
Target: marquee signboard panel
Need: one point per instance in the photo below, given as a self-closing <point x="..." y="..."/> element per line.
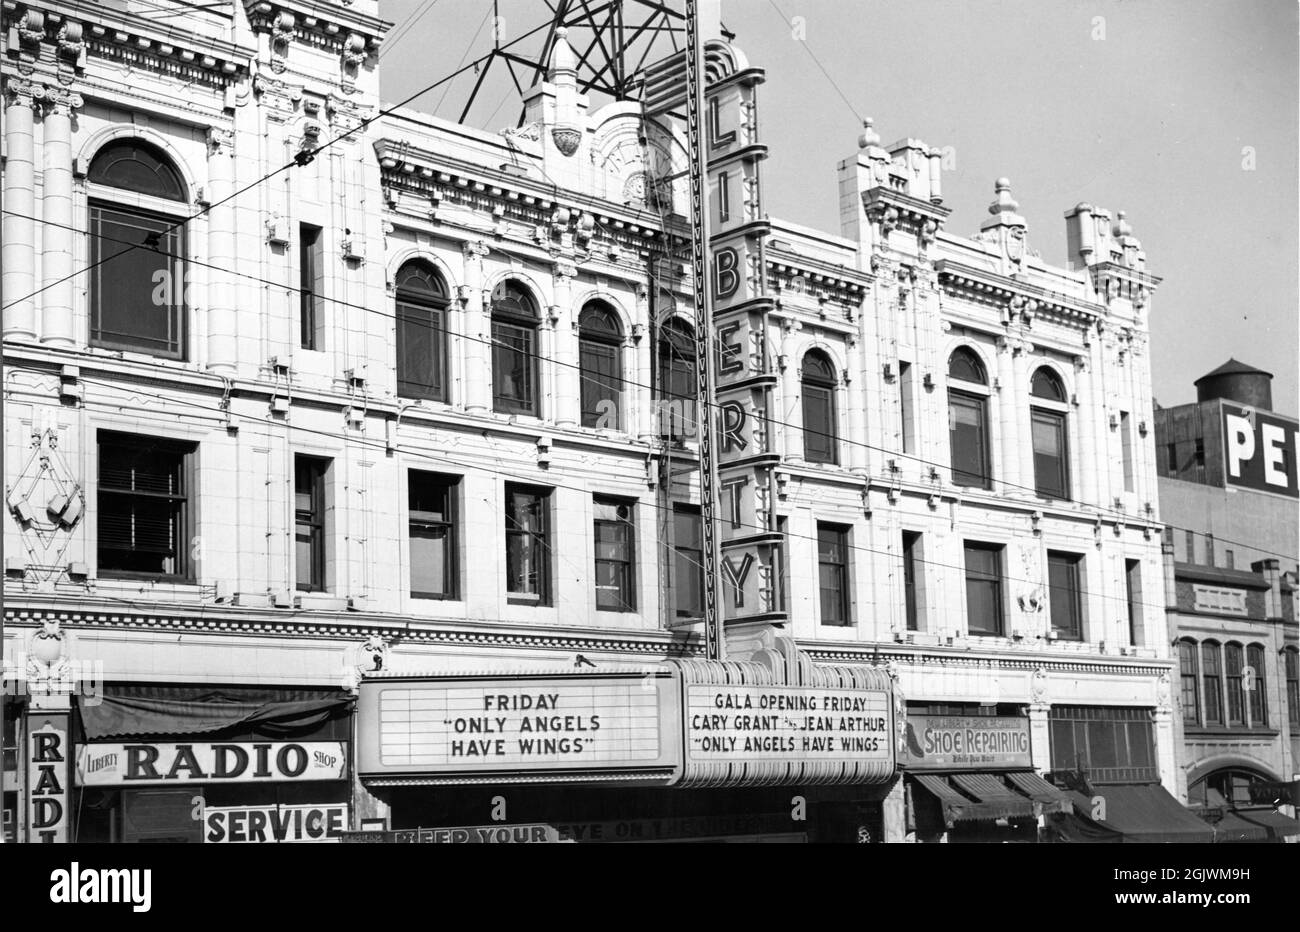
<point x="526" y="728"/>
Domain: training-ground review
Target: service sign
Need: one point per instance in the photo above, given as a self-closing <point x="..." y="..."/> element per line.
<point x="156" y="764"/>
<point x="957" y="742"/>
<point x="788" y="733"/>
<point x="274" y="824"/>
<point x="526" y="727"/>
<point x="1260" y="450"/>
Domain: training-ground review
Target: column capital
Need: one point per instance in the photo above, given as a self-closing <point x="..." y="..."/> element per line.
<point x="565" y="272"/>
<point x="23" y="92"/>
<point x="61" y="101"/>
<point x="474" y="249"/>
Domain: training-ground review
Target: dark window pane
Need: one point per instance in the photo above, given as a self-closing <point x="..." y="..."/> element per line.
<point x="911" y="544"/>
<point x="514" y="372"/>
<point x="966" y="428"/>
<point x="677" y="388"/>
<point x="1212" y="677"/>
<point x="600" y="372"/>
<point x="309" y="520"/>
<point x="965" y="365"/>
<point x="1050" y="464"/>
<point x="1063" y="595"/>
<point x="142" y="506"/>
<point x="1187" y="658"/>
<point x="136" y="166"/>
<point x="527" y="548"/>
<point x="1232" y="662"/>
<point x="1258" y="707"/>
<point x="983" y="589"/>
<point x="688" y="562"/>
<point x="614" y="556"/>
<point x="432" y="534"/>
<point x="137" y="296"/>
<point x="832" y="567"/>
<point x="1047" y="384"/>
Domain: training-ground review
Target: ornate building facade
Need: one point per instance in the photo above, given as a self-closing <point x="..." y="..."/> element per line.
<point x="298" y="391"/>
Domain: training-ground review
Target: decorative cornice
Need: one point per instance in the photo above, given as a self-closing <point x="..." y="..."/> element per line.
<point x="116" y="34"/>
<point x="350" y="626"/>
<point x="333" y="26"/>
<point x="959" y="279"/>
<point x="821" y="652"/>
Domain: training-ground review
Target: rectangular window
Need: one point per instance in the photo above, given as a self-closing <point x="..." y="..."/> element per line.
<point x="1209" y="550"/>
<point x="969" y="439"/>
<point x="1051" y="466"/>
<point x="1190" y="677"/>
<point x="1258" y="689"/>
<point x="1133" y="596"/>
<point x="1190" y="541"/>
<point x="911" y="558"/>
<point x="514" y="369"/>
<point x="309" y="522"/>
<point x="1064" y="596"/>
<point x="527" y="544"/>
<point x="819" y="440"/>
<point x="1126" y="448"/>
<point x="1212" y="676"/>
<point x="688" y="561"/>
<point x="615" y="555"/>
<point x="1114" y="745"/>
<point x="1232" y="662"/>
<point x="601" y="387"/>
<point x="431" y="504"/>
<point x="907" y="404"/>
<point x="421" y="350"/>
<point x="983" y="588"/>
<point x="833" y="573"/>
<point x="145" y="517"/>
<point x="1229" y="559"/>
<point x="137" y="296"/>
<point x="1293" y="686"/>
<point x="310" y="269"/>
<point x="1171" y="459"/>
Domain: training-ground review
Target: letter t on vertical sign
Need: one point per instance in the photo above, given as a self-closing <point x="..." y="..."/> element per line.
<point x="47" y="777"/>
<point x="704" y="362"/>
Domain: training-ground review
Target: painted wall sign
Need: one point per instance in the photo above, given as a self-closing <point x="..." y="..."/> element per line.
<point x="956" y="742"/>
<point x="1260" y="450"/>
<point x="520" y="725"/>
<point x="150" y="763"/>
<point x="274" y="824"/>
<point x="47" y="777"/>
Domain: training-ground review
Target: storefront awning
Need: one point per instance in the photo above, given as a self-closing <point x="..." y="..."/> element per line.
<point x="1230" y="828"/>
<point x="968" y="797"/>
<point x="1040" y="791"/>
<point x="1278" y="826"/>
<point x="133" y="712"/>
<point x="1142" y="812"/>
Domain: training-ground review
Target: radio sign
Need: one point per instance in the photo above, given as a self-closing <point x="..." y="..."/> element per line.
<point x="1260" y="450"/>
<point x="47" y="777"/>
<point x="150" y="764"/>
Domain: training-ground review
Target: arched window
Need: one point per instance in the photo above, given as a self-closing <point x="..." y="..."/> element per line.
<point x="422" y="301"/>
<point x="600" y="365"/>
<point x="514" y="350"/>
<point x="817" y="386"/>
<point x="137" y="250"/>
<point x="1187" y="668"/>
<point x="1228" y="787"/>
<point x="1291" y="657"/>
<point x="1212" y="676"/>
<point x="1051" y="453"/>
<point x="676" y="381"/>
<point x="968" y="409"/>
<point x="1259" y="691"/>
<point x="1232" y="662"/>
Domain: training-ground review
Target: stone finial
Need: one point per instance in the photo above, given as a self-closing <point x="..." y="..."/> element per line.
<point x="869" y="135"/>
<point x="563" y="64"/>
<point x="1122" y="227"/>
<point x="1003" y="203"/>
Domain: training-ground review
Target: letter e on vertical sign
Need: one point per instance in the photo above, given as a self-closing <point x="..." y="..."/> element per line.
<point x="47" y="777"/>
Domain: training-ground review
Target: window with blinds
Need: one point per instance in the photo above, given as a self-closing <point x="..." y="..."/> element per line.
<point x="144" y="506"/>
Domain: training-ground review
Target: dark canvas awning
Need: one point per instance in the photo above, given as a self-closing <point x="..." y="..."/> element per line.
<point x="1141" y="812"/>
<point x="135" y="712"/>
<point x="1040" y="791"/>
<point x="1231" y="828"/>
<point x="970" y="797"/>
<point x="1279" y="827"/>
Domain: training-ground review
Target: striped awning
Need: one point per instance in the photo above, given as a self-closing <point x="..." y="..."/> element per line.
<point x="1040" y="791"/>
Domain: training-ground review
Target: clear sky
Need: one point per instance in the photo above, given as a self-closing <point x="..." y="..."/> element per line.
<point x="1181" y="112"/>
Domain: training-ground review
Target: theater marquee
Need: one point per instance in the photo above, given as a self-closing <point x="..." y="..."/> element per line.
<point x="526" y="728"/>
